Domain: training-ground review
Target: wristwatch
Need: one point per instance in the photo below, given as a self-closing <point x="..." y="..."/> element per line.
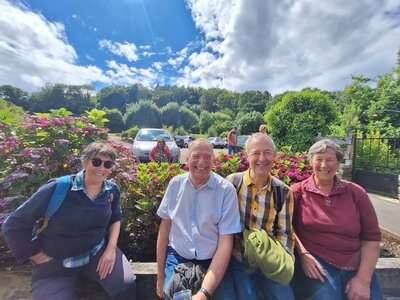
<point x="205" y="292"/>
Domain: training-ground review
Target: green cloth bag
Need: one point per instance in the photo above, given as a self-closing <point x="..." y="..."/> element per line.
<point x="264" y="252"/>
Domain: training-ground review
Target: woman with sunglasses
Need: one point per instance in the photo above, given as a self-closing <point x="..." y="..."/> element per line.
<point x="81" y="237"/>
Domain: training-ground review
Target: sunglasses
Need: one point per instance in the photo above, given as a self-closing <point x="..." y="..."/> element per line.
<point x="96" y="162"/>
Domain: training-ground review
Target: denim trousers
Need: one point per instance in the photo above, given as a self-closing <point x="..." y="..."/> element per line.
<point x="334" y="285"/>
<point x="239" y="285"/>
<point x="231" y="149"/>
<point x="173" y="259"/>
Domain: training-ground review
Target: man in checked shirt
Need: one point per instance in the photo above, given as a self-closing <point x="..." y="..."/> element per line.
<point x="265" y="203"/>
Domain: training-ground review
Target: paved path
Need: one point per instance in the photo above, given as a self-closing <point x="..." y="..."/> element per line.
<point x="388" y="211"/>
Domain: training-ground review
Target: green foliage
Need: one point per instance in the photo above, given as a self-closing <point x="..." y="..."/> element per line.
<point x="9" y="113"/>
<point x="143" y="114"/>
<point x="250" y="122"/>
<point x="188" y="119"/>
<point x="130" y="133"/>
<point x="140" y="226"/>
<point x="375" y="154"/>
<point x="95" y="117"/>
<point x="170" y="114"/>
<point x="254" y="101"/>
<point x="299" y="117"/>
<point x="15" y="96"/>
<point x="116" y="122"/>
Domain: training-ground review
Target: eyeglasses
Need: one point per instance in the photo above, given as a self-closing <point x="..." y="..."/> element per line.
<point x="96" y="162"/>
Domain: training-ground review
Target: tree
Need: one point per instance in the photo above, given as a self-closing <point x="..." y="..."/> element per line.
<point x="189" y="119"/>
<point x="206" y="121"/>
<point x="143" y="114"/>
<point x="113" y="97"/>
<point x="116" y="120"/>
<point x="250" y="122"/>
<point x="14" y="95"/>
<point x="208" y="99"/>
<point x="254" y="101"/>
<point x="299" y="117"/>
<point x="170" y="114"/>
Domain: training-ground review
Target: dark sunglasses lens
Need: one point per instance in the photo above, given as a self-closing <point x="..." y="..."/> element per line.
<point x="108" y="164"/>
<point x="96" y="162"/>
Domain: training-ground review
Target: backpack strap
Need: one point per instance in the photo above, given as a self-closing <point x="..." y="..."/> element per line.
<point x="237" y="179"/>
<point x="57" y="198"/>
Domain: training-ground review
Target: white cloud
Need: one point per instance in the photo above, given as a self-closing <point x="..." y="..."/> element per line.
<point x="282" y="45"/>
<point x="125" y="49"/>
<point x="34" y="51"/>
<point x="122" y="74"/>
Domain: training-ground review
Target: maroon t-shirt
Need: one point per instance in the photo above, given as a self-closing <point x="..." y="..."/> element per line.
<point x="333" y="226"/>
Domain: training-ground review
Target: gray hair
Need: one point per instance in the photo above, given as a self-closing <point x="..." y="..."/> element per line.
<point x="322" y="145"/>
<point x="98" y="148"/>
<point x="261" y="136"/>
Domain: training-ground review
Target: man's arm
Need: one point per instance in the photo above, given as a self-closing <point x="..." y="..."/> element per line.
<point x="161" y="253"/>
<point x="284" y="228"/>
<point x="359" y="286"/>
<point x="218" y="265"/>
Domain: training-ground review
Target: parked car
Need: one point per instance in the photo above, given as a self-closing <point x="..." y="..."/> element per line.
<point x="146" y="139"/>
<point x="187" y="139"/>
<point x="179" y="140"/>
<point x="241" y="142"/>
<point x="217" y="142"/>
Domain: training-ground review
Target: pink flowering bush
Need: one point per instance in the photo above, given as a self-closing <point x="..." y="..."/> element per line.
<point x="288" y="167"/>
<point x="140" y="221"/>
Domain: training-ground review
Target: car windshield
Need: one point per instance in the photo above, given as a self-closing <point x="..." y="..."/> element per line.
<point x="153" y="135"/>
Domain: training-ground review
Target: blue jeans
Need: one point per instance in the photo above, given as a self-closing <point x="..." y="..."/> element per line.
<point x="334" y="284"/>
<point x="231" y="149"/>
<point x="239" y="285"/>
<point x="173" y="259"/>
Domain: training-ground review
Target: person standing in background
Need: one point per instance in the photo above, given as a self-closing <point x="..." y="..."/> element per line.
<point x="232" y="140"/>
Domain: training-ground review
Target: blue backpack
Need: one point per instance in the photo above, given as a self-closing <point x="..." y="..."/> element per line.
<point x="56" y="199"/>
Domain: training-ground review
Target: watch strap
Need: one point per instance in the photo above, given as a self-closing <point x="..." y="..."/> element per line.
<point x="205" y="292"/>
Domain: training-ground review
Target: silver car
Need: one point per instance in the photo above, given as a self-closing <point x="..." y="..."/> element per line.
<point x="146" y="139"/>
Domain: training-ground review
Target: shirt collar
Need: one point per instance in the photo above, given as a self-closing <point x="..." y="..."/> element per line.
<point x="79" y="184"/>
<point x="211" y="182"/>
<point x="248" y="180"/>
<point x="339" y="186"/>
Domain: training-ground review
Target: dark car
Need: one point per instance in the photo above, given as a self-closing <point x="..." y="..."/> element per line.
<point x="146" y="139"/>
<point x="187" y="139"/>
<point x="179" y="140"/>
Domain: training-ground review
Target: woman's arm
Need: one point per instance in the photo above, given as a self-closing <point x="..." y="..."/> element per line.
<point x="311" y="267"/>
<point x="167" y="152"/>
<point x="359" y="285"/>
<point x="152" y="152"/>
<point x="107" y="259"/>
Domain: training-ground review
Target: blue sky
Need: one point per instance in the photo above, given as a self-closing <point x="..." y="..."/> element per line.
<point x="234" y="44"/>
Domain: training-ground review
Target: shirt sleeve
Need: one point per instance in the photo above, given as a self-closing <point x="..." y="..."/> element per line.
<point x="17" y="228"/>
<point x="284" y="227"/>
<point x="370" y="230"/>
<point x="230" y="220"/>
<point x="162" y="210"/>
<point x="116" y="213"/>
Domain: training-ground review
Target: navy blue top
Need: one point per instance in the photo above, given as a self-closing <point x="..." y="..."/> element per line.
<point x="77" y="226"/>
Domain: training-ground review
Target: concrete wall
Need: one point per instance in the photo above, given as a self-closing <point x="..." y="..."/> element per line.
<point x="15" y="284"/>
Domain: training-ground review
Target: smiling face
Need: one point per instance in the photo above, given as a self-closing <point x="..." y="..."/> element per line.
<point x="261" y="155"/>
<point x="200" y="161"/>
<point x="325" y="165"/>
<point x="97" y="173"/>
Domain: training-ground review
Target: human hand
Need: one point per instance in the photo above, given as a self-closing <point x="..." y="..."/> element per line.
<point x="40" y="258"/>
<point x="358" y="289"/>
<point x="199" y="296"/>
<point x="159" y="288"/>
<point x="106" y="263"/>
<point x="311" y="267"/>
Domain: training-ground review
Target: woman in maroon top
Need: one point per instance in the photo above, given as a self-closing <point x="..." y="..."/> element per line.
<point x="337" y="232"/>
<point x="160" y="152"/>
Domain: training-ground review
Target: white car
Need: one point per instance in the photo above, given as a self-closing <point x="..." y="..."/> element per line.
<point x="146" y="139"/>
<point x="218" y="142"/>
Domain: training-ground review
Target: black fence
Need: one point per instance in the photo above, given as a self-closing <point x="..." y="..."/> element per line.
<point x="376" y="164"/>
